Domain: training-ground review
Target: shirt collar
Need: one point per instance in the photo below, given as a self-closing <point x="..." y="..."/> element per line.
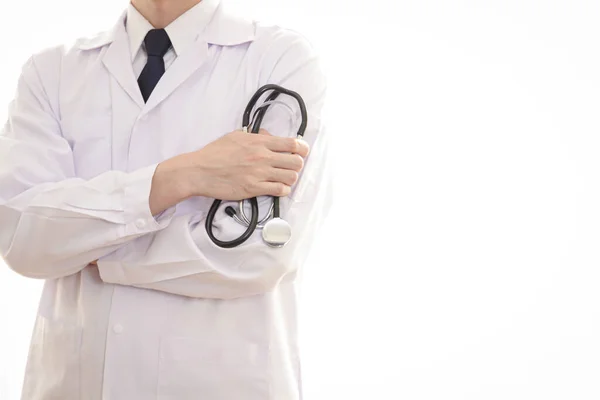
<point x="226" y="28"/>
<point x="183" y="31"/>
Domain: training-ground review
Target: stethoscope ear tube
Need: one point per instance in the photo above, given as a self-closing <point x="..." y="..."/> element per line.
<point x="255" y="128"/>
<point x="245" y="236"/>
<point x="278" y="90"/>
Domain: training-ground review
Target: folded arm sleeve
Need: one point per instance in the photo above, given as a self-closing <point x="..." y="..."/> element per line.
<point x="182" y="260"/>
<point x="53" y="224"/>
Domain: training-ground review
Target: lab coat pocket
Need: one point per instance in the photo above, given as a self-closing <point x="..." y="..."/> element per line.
<point x="90" y="137"/>
<point x="191" y="368"/>
<point x="53" y="368"/>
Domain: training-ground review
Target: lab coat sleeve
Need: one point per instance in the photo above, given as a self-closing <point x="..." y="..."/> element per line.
<point x="181" y="259"/>
<point x="53" y="224"/>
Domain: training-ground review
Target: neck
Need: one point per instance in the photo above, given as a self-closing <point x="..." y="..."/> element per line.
<point x="160" y="13"/>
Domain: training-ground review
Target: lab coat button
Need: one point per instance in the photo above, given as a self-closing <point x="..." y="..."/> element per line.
<point x="118" y="328"/>
<point x="140" y="223"/>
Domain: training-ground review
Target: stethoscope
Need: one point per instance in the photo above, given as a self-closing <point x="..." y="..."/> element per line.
<point x="276" y="232"/>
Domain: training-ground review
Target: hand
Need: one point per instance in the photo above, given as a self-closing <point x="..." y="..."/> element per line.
<point x="240" y="165"/>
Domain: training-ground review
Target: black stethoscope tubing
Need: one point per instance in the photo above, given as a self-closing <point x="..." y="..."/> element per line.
<point x="254" y="129"/>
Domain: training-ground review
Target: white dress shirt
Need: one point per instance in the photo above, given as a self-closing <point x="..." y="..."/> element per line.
<point x="166" y="314"/>
<point x="183" y="33"/>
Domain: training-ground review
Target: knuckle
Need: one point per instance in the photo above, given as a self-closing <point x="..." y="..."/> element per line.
<point x="261" y="172"/>
<point x="252" y="177"/>
<point x="286" y="177"/>
<point x="293" y="178"/>
<point x="282" y="190"/>
<point x="254" y="189"/>
<point x="298" y="163"/>
<point x="306" y="150"/>
<point x="276" y="189"/>
<point x="260" y="139"/>
<point x="257" y="154"/>
<point x="248" y="183"/>
<point x="247" y="187"/>
<point x="293" y="145"/>
<point x="255" y="140"/>
<point x="269" y="156"/>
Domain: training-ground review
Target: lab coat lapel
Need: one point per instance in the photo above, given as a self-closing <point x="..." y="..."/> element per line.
<point x="117" y="60"/>
<point x="181" y="69"/>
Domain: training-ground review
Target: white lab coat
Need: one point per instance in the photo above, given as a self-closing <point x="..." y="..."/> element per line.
<point x="166" y="314"/>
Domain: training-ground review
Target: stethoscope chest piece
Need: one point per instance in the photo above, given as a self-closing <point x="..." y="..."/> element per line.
<point x="277" y="232"/>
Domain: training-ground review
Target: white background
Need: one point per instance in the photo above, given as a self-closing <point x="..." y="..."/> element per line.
<point x="461" y="260"/>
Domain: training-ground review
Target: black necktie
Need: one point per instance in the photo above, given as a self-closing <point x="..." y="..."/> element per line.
<point x="157" y="44"/>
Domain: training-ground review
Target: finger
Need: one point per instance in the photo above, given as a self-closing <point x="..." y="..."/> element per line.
<point x="276" y="189"/>
<point x="304" y="148"/>
<point x="263" y="132"/>
<point x="287" y="161"/>
<point x="287" y="145"/>
<point x="285" y="176"/>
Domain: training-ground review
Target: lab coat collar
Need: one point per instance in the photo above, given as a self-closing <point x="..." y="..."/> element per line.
<point x="226" y="28"/>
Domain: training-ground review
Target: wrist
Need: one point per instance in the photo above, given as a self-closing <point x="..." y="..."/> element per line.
<point x="168" y="189"/>
<point x="191" y="175"/>
<point x="171" y="176"/>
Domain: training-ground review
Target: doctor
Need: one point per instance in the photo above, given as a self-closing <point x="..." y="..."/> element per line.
<point x="114" y="150"/>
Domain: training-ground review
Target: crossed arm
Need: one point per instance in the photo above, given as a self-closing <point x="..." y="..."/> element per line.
<point x="54" y="224"/>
